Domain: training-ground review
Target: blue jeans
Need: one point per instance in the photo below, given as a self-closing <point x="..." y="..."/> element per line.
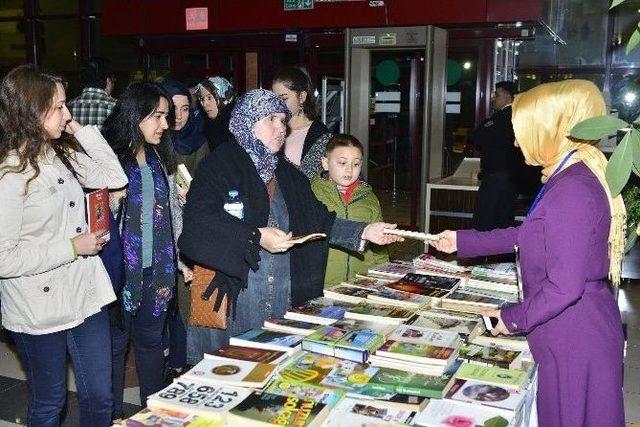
<point x="146" y="331"/>
<point x="45" y="362"/>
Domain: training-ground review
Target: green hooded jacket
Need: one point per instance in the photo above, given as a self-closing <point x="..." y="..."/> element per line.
<point x="364" y="206"/>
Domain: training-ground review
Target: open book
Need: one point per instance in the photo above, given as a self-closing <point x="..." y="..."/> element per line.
<point x="296" y="240"/>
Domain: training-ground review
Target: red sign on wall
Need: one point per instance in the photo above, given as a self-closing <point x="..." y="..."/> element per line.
<point x="197" y="18"/>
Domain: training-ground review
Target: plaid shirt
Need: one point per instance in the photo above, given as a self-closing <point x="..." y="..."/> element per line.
<point x="92" y="107"/>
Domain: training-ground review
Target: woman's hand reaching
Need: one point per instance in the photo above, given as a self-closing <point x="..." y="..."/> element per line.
<point x="274" y="240"/>
<point x="447" y="242"/>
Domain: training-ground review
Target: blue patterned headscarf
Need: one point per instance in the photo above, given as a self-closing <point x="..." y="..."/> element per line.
<point x="252" y="107"/>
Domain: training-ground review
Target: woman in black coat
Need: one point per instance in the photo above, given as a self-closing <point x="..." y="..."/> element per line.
<point x="256" y="266"/>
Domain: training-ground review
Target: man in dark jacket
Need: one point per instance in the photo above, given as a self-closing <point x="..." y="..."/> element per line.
<point x="496" y="198"/>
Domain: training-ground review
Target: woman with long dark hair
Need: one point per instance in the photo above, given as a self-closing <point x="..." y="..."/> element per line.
<point x="151" y="222"/>
<point x="53" y="287"/>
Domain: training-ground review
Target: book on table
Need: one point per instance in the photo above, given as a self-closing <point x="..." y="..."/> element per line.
<point x="463" y="326"/>
<point x="511" y="378"/>
<point x="482" y="284"/>
<point x="214" y="370"/>
<point x="475" y="392"/>
<point x="167" y="418"/>
<point x="328" y="396"/>
<point x="406" y="402"/>
<point x="323" y="311"/>
<point x="509" y="342"/>
<point x="269" y="340"/>
<point x="348" y="293"/>
<point x="98" y="218"/>
<point x="198" y="398"/>
<point x="251" y="354"/>
<point x="367" y="282"/>
<point x="379" y="313"/>
<point x="445" y="413"/>
<point x="404" y="365"/>
<point x="426" y="336"/>
<point x="470" y="302"/>
<point x="417" y="353"/>
<point x="496" y="271"/>
<point x="289" y="326"/>
<point x="398" y="381"/>
<point x="490" y="356"/>
<point x="391" y="270"/>
<point x="388" y="296"/>
<point x="269" y="409"/>
<point x="428" y="280"/>
<point x="433" y="265"/>
<point x="356" y="412"/>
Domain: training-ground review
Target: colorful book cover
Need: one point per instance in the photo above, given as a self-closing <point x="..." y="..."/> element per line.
<point x="390" y="296"/>
<point x="351" y="344"/>
<point x="461" y="326"/>
<point x="290" y="326"/>
<point x="322" y="310"/>
<point x="493" y="375"/>
<point x="419" y="335"/>
<point x="439" y="282"/>
<point x="328" y="396"/>
<point x="475" y="392"/>
<point x="446" y="413"/>
<point x="276" y="409"/>
<point x="473" y="298"/>
<point x="428" y="353"/>
<point x="168" y="418"/>
<point x="392" y="269"/>
<point x="418" y="289"/>
<point x="376" y="312"/>
<point x="260" y="336"/>
<point x="250" y="354"/>
<point x="219" y="370"/>
<point x="356" y="412"/>
<point x="495" y="356"/>
<point x="348" y="293"/>
<point x="199" y="398"/>
<point x="397" y="381"/>
<point x="98" y="217"/>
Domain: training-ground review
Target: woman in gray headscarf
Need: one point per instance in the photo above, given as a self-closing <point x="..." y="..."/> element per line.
<point x="257" y="268"/>
<point x="217" y="98"/>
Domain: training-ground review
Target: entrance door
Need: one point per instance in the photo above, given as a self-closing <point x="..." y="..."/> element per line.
<point x="395" y="91"/>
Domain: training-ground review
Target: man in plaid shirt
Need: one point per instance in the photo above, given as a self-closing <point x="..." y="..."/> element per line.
<point x="95" y="103"/>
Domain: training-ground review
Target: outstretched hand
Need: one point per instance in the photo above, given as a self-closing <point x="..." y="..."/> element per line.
<point x="374" y="233"/>
<point x="447" y="242"/>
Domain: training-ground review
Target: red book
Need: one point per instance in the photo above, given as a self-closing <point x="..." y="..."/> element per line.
<point x="98" y="212"/>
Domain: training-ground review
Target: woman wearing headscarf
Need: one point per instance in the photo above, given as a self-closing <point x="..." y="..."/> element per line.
<point x="256" y="267"/>
<point x="217" y="97"/>
<point x="570" y="242"/>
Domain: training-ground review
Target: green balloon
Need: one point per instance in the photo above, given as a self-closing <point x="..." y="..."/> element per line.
<point x="387" y="72"/>
<point x="454" y="72"/>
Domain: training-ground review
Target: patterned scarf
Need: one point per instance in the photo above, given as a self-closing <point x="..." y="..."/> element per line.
<point x="252" y="107"/>
<point x="164" y="254"/>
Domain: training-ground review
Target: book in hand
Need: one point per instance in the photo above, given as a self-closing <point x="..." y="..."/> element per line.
<point x="490" y="356"/>
<point x="398" y="381"/>
<point x="350" y="343"/>
<point x="416" y="235"/>
<point x="418" y="353"/>
<point x="198" y="398"/>
<point x="379" y="313"/>
<point x="98" y="217"/>
<point x="323" y="311"/>
<point x="419" y="335"/>
<point x="167" y="418"/>
<point x="182" y="178"/>
<point x="475" y="392"/>
<point x="328" y="396"/>
<point x="289" y="326"/>
<point x="215" y="370"/>
<point x="251" y="354"/>
<point x="510" y="378"/>
<point x="432" y="319"/>
<point x="297" y="240"/>
<point x="269" y="409"/>
<point x="269" y="340"/>
<point x="357" y="412"/>
<point x="445" y="413"/>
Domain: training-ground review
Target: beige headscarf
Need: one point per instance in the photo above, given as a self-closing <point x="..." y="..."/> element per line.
<point x="542" y="121"/>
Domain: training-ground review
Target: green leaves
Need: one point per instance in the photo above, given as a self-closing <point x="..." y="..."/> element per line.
<point x="633" y="40"/>
<point x="496" y="421"/>
<point x="615" y="3"/>
<point x="620" y="163"/>
<point x="598" y="127"/>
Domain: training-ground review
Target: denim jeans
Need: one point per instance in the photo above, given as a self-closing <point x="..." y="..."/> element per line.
<point x="146" y="331"/>
<point x="45" y="362"/>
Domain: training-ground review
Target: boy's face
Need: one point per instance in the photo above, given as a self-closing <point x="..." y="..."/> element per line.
<point x="343" y="165"/>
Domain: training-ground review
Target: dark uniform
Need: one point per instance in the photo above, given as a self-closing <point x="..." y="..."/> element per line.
<point x="496" y="198"/>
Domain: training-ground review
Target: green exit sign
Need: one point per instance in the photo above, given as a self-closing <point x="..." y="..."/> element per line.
<point x="298" y="4"/>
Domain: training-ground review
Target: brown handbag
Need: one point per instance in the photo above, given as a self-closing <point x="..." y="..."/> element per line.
<point x="202" y="313"/>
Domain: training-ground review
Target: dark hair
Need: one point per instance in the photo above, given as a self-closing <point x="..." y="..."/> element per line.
<point x="221" y="100"/>
<point x="26" y="95"/>
<point x="508" y="86"/>
<point x="173" y="88"/>
<point x="122" y="127"/>
<point x="297" y="80"/>
<point x="96" y="71"/>
<point x="343" y="140"/>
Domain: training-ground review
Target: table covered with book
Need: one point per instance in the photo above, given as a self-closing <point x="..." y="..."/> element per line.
<point x="403" y="345"/>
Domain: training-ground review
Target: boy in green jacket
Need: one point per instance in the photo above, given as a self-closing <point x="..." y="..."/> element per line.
<point x="339" y="187"/>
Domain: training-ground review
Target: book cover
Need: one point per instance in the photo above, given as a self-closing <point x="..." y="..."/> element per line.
<point x="297" y="240"/>
<point x="98" y="212"/>
<point x="182" y="178"/>
<point x="511" y="342"/>
<point x="390" y="296"/>
<point x="428" y="261"/>
<point x="419" y="335"/>
<point x="502" y="270"/>
<point x="417" y="288"/>
<point x="251" y="354"/>
<point x="438" y="282"/>
<point x="348" y="293"/>
<point x="417" y="352"/>
<point x="445" y="413"/>
<point x="321" y="310"/>
<point x="379" y="313"/>
<point x="493" y="375"/>
<point x="168" y="418"/>
<point x="289" y="326"/>
<point x="328" y="396"/>
<point x="268" y="408"/>
<point x="463" y="327"/>
<point x="356" y="412"/>
<point x="367" y="282"/>
<point x="267" y="339"/>
<point x="493" y="356"/>
<point x="406" y="402"/>
<point x="475" y="392"/>
<point x="214" y="370"/>
<point x="346" y="343"/>
<point x="198" y="398"/>
<point x="398" y="381"/>
<point x="393" y="269"/>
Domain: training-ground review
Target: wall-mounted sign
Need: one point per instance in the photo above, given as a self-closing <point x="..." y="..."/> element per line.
<point x="291" y="38"/>
<point x="197" y="18"/>
<point x="388" y="39"/>
<point x="360" y="40"/>
<point x="298" y="4"/>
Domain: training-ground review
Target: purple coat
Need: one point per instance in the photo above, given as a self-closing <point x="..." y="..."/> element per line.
<point x="570" y="316"/>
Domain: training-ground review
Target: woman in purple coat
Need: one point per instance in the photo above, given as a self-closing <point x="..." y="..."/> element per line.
<point x="570" y="243"/>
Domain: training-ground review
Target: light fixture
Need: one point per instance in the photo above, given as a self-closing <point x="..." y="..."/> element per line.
<point x="518" y="24"/>
<point x="466" y="65"/>
<point x="499" y="43"/>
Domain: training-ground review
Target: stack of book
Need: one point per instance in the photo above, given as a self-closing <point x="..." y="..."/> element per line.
<point x="379" y="313"/>
<point x="467" y="326"/>
<point x="427" y="263"/>
<point x="269" y="340"/>
<point x="323" y="311"/>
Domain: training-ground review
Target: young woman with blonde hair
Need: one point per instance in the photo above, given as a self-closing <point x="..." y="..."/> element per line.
<point x="571" y="243"/>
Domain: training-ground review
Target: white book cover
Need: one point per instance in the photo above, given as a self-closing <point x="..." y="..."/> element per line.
<point x="445" y="413"/>
<point x="198" y="398"/>
<point x="219" y="370"/>
<point x="479" y="393"/>
<point x="351" y="412"/>
<point x="419" y="335"/>
<point x="461" y="326"/>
